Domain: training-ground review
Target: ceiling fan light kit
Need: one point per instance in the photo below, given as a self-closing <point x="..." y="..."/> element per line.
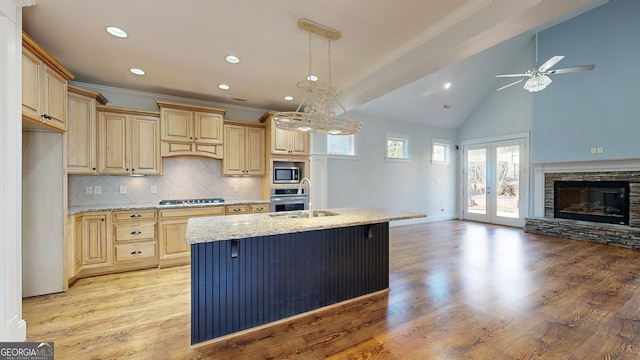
<point x="314" y="112"/>
<point x="537" y="83"/>
<point x="538" y="76"/>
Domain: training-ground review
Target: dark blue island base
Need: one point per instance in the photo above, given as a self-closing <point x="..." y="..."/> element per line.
<point x="241" y="284"/>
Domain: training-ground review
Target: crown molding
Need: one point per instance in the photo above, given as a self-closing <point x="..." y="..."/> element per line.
<point x="26" y="3"/>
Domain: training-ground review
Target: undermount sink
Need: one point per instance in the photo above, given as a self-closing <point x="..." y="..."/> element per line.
<point x="302" y="214"/>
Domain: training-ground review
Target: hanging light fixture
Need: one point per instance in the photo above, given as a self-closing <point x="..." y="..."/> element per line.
<point x="314" y="112"/>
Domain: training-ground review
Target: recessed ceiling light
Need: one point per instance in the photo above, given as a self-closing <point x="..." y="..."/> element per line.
<point x="232" y="59"/>
<point x="224" y="86"/>
<point x="312" y="78"/>
<point x="137" y="71"/>
<point x="447" y="85"/>
<point x="117" y="32"/>
<point x="288" y="98"/>
<point x="304" y="128"/>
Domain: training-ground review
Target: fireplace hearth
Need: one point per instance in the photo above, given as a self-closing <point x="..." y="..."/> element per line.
<point x="597" y="201"/>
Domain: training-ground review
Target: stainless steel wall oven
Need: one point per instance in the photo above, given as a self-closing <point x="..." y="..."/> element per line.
<point x="289" y="199"/>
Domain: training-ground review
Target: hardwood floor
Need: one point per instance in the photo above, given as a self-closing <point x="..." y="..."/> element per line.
<point x="459" y="290"/>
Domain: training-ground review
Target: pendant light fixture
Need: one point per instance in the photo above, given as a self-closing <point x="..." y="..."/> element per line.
<point x="314" y="113"/>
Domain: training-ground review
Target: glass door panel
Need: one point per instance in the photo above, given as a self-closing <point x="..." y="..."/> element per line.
<point x="477" y="181"/>
<point x="508" y="181"/>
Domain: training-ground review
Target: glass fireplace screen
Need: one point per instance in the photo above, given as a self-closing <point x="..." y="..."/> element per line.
<point x="599" y="201"/>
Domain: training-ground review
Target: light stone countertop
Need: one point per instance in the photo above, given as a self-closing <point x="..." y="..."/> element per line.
<point x="217" y="228"/>
<point x="90" y="208"/>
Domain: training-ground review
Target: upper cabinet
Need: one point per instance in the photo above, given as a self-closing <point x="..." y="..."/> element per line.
<point x="191" y="130"/>
<point x="128" y="142"/>
<point x="244" y="149"/>
<point x="286" y="142"/>
<point x="82" y="130"/>
<point x="44" y="88"/>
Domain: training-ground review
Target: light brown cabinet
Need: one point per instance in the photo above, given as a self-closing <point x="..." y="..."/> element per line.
<point x="93" y="249"/>
<point x="134" y="237"/>
<point x="128" y="142"/>
<point x="82" y="148"/>
<point x="191" y="130"/>
<point x="173" y="226"/>
<point x="285" y="142"/>
<point x="244" y="152"/>
<point x="44" y="88"/>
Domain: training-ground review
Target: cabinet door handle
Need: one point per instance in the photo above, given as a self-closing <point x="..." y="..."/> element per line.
<point x="136" y="232"/>
<point x="260" y="208"/>
<point x="47" y="116"/>
<point x="237" y="209"/>
<point x="135" y="215"/>
<point x="136" y="252"/>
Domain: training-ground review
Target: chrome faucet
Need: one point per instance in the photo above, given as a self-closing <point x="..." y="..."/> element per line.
<point x="308" y="194"/>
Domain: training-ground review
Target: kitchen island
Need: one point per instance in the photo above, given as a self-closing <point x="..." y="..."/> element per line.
<point x="252" y="270"/>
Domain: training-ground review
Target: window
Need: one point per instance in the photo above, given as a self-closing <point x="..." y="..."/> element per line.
<point x="397" y="148"/>
<point x="440" y="150"/>
<point x="341" y="145"/>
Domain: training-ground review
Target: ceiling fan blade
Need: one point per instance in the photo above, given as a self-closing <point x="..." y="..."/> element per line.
<point x="571" y="69"/>
<point x="549" y="63"/>
<point x="513" y="83"/>
<point x="511" y="75"/>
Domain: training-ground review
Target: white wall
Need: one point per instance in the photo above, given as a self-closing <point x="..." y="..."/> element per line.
<point x="12" y="326"/>
<point x="416" y="185"/>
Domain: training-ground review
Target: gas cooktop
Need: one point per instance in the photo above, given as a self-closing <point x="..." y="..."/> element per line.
<point x="192" y="201"/>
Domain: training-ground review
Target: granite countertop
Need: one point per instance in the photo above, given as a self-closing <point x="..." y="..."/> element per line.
<point x="89" y="208"/>
<point x="216" y="228"/>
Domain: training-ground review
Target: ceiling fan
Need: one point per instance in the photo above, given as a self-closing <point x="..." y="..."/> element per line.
<point x="537" y="77"/>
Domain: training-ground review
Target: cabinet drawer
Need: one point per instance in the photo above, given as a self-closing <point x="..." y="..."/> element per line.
<point x="135" y="231"/>
<point x="136" y="251"/>
<point x="191" y="212"/>
<point x="236" y="209"/>
<point x="259" y="208"/>
<point x="126" y="215"/>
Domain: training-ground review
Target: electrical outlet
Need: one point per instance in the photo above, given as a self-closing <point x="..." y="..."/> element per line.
<point x="235" y="188"/>
<point x="594" y="150"/>
<point x="97" y="190"/>
<point x="154" y="189"/>
<point x="88" y="190"/>
<point x="600" y="149"/>
<point x="123" y="189"/>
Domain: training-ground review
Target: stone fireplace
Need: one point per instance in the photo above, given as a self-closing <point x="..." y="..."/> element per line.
<point x="598" y="202"/>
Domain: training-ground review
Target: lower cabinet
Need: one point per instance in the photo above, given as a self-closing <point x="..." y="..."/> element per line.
<point x="93" y="247"/>
<point x="104" y="242"/>
<point x="135" y="238"/>
<point x="173" y="226"/>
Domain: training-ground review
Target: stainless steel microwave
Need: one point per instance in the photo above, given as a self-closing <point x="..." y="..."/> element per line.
<point x="286" y="175"/>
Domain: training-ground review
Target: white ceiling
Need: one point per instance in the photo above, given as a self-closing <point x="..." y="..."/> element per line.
<point x="391" y="61"/>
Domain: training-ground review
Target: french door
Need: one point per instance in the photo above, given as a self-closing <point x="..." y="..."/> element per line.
<point x="494" y="183"/>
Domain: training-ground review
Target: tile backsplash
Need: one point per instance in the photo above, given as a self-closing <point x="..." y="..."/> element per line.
<point x="183" y="178"/>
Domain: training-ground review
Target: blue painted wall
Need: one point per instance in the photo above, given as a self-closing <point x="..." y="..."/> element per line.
<point x="599" y="108"/>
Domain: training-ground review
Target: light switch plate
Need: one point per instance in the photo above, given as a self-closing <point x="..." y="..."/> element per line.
<point x="154" y="189"/>
<point x="123" y="189"/>
<point x="600" y="149"/>
<point x="97" y="190"/>
<point x="88" y="190"/>
<point x="594" y="150"/>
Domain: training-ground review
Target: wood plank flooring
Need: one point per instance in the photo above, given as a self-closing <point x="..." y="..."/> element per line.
<point x="459" y="290"/>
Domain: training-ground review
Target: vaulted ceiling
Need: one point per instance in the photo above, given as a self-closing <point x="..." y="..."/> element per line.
<point x="392" y="59"/>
